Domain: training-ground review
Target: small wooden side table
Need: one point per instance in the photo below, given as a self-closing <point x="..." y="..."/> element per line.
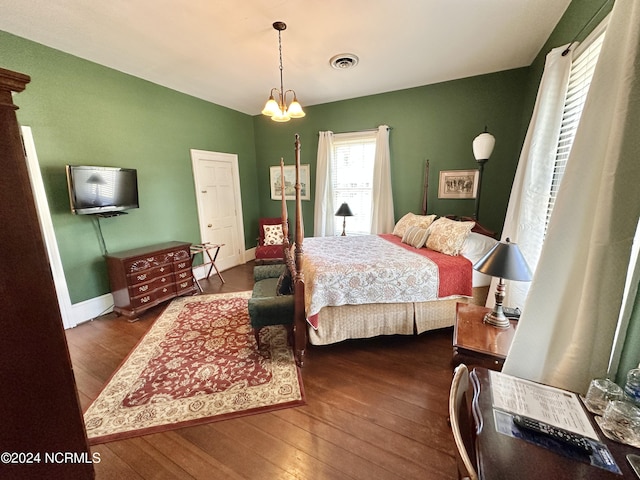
<point x="475" y="342"/>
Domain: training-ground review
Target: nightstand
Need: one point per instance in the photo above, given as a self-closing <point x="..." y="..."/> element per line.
<point x="475" y="342"/>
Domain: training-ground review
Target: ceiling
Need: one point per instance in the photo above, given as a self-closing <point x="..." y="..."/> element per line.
<point x="226" y="51"/>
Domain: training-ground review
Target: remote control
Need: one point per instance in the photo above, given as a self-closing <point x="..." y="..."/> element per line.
<point x="569" y="438"/>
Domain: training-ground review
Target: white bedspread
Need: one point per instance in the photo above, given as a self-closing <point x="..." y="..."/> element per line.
<point x="355" y="270"/>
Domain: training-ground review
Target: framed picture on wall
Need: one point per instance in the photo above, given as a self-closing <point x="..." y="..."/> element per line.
<point x="458" y="183"/>
<point x="289" y="182"/>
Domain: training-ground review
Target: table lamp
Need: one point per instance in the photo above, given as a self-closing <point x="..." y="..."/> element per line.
<point x="505" y="261"/>
<point x="344" y="211"/>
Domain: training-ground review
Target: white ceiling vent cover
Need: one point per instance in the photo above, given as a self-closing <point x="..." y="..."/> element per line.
<point x="344" y="61"/>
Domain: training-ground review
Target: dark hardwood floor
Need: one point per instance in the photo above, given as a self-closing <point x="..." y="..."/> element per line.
<point x="376" y="409"/>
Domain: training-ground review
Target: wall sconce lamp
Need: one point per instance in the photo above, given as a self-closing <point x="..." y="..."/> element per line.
<point x="482" y="148"/>
<point x="344" y="211"/>
<point x="504" y="260"/>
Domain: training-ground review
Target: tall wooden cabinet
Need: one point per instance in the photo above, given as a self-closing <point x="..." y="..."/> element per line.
<point x="39" y="407"/>
<point x="144" y="277"/>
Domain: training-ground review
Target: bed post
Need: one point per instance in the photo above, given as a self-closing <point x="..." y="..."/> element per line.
<point x="284" y="215"/>
<point x="300" y="321"/>
<point x="425" y="192"/>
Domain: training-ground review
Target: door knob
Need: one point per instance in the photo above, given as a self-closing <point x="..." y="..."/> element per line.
<point x="209" y="225"/>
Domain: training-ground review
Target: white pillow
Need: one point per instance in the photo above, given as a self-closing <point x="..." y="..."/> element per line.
<point x="273" y="235"/>
<point x="476" y="246"/>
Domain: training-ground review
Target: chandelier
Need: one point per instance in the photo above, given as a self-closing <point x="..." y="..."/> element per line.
<point x="276" y="108"/>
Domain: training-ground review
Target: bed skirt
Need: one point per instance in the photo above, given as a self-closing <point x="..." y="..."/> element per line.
<point x="336" y="324"/>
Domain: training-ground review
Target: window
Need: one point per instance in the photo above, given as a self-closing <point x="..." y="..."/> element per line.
<point x="580" y="76"/>
<point x="352" y="179"/>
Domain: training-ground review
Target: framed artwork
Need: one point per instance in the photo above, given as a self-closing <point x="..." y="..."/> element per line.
<point x="458" y="183"/>
<point x="289" y="182"/>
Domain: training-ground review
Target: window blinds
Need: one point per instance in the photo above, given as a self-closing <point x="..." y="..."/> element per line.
<point x="580" y="77"/>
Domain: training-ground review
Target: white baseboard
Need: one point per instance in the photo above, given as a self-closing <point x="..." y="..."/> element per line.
<point x="94" y="307"/>
<point x="90" y="309"/>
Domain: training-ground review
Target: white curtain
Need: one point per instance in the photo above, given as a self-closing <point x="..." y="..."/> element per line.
<point x="382" y="219"/>
<point x="323" y="224"/>
<point x="526" y="213"/>
<point x="566" y="331"/>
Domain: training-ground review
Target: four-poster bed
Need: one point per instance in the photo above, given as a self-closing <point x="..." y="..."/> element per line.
<point x="349" y="287"/>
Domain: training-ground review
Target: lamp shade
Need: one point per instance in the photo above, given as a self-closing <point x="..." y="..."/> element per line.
<point x="295" y="109"/>
<point x="504" y="260"/>
<point x="344" y="211"/>
<point x="280" y="116"/>
<point x="271" y="107"/>
<point x="483" y="146"/>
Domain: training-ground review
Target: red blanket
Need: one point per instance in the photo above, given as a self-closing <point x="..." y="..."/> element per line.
<point x="455" y="272"/>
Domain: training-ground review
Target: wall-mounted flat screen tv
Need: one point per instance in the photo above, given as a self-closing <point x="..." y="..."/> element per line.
<point x="101" y="190"/>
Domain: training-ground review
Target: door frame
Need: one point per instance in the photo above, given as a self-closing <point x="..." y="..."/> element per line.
<point x="46" y="224"/>
<point x="232" y="158"/>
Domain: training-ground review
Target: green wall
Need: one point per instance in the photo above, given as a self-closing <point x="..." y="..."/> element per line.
<point x="435" y="122"/>
<point x="84" y="113"/>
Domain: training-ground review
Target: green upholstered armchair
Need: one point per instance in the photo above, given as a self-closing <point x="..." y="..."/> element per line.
<point x="267" y="306"/>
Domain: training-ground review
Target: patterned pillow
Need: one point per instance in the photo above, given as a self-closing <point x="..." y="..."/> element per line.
<point x="412" y="220"/>
<point x="273" y="235"/>
<point x="415" y="236"/>
<point x="448" y="236"/>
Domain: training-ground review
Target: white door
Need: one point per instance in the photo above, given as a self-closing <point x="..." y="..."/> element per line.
<point x="217" y="183"/>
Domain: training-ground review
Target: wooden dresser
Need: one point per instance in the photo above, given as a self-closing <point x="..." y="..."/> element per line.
<point x="144" y="277"/>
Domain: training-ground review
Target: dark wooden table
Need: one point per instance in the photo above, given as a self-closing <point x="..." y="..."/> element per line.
<point x="501" y="457"/>
<point x="475" y="342"/>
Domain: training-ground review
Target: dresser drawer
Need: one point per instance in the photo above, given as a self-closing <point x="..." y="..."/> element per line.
<point x="182" y="264"/>
<point x="152" y="285"/>
<point x="186" y="286"/>
<point x="183" y="275"/>
<point x="147" y="263"/>
<point x="180" y="255"/>
<point x="146" y="276"/>
<point x="154" y="297"/>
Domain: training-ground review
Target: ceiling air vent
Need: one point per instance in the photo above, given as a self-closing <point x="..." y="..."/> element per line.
<point x="344" y="61"/>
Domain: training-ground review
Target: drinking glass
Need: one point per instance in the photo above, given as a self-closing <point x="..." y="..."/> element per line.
<point x="601" y="392"/>
<point x="621" y="422"/>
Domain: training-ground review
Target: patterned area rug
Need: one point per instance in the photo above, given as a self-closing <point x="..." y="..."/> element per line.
<point x="198" y="363"/>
